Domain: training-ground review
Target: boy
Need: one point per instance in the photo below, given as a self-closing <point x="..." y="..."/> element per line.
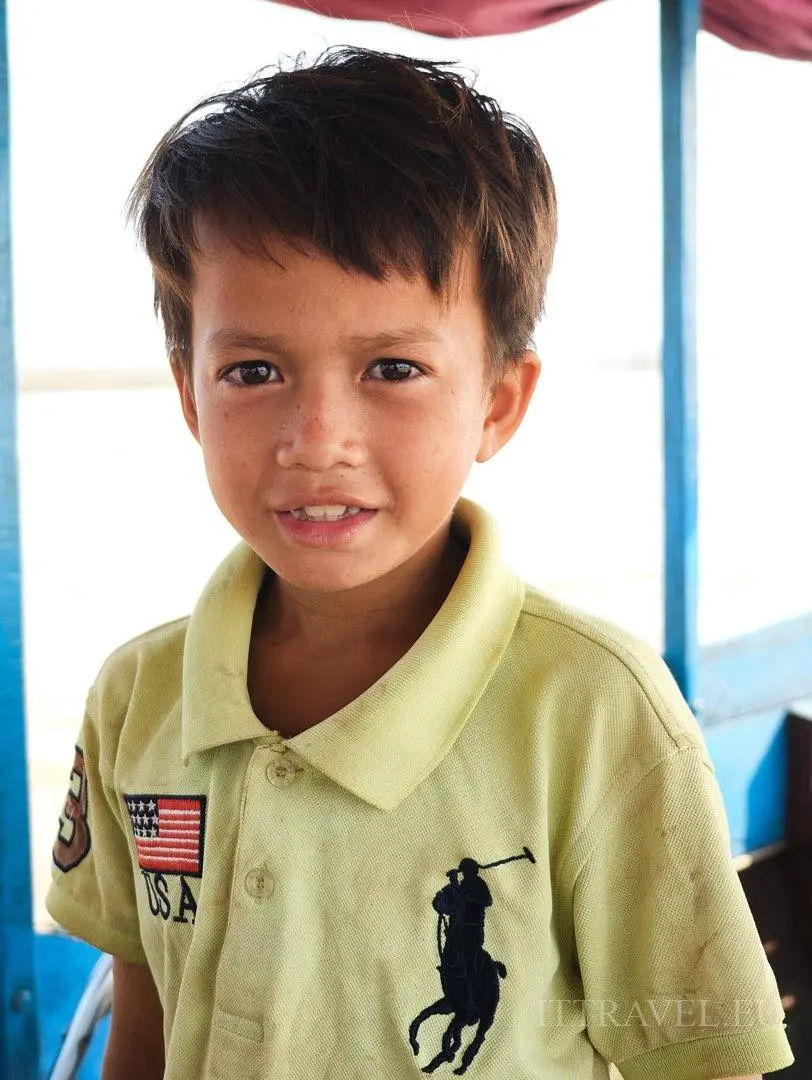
<point x="378" y="808"/>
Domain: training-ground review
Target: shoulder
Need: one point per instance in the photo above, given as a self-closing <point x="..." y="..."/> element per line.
<point x="609" y="688"/>
<point x="137" y="684"/>
<point x="601" y="710"/>
<point x="146" y="663"/>
<point x="606" y="660"/>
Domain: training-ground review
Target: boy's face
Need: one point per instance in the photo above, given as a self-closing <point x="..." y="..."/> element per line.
<point x="370" y="394"/>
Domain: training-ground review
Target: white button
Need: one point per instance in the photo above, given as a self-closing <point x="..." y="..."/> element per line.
<point x="259" y="883"/>
<point x="281" y="771"/>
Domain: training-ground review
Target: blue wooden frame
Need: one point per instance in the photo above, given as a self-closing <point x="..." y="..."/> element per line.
<point x="679" y="26"/>
<point x="19" y="1042"/>
<point x="740" y="690"/>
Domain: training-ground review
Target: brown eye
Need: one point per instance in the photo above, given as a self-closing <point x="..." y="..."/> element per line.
<point x="396" y="370"/>
<point x="251" y="373"/>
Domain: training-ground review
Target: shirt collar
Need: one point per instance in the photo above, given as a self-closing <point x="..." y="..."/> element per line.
<point x="385" y="743"/>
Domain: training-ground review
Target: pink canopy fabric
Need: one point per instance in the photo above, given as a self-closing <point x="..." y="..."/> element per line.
<point x="780" y="28"/>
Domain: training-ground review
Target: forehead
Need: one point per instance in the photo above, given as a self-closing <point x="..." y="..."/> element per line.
<point x="302" y="292"/>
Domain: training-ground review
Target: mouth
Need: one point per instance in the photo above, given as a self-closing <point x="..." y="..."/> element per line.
<point x="325" y="526"/>
<point x="324" y="513"/>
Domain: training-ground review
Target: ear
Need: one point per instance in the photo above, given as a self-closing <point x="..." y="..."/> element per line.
<point x="509" y="399"/>
<point x="183" y="381"/>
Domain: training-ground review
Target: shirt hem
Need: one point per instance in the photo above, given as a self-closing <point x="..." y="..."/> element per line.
<point x="740" y="1053"/>
<point x="85" y="925"/>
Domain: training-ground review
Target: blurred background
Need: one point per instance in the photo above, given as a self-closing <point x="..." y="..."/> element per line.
<point x="118" y="529"/>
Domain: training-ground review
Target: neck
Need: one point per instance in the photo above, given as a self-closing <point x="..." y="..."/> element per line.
<point x="395" y="608"/>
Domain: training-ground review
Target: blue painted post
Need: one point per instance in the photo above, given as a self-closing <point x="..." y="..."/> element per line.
<point x="19" y="1044"/>
<point x="679" y="27"/>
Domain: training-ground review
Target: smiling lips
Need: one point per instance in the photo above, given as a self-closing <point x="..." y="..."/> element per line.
<point x="328" y="526"/>
<point x="324" y="513"/>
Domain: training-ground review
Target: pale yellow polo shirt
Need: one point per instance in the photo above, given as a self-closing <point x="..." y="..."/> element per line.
<point x="509" y="856"/>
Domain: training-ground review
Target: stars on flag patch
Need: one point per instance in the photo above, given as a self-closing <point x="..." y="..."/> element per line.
<point x="168" y="832"/>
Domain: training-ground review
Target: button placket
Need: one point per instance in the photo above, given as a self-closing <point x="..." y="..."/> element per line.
<point x="280" y="768"/>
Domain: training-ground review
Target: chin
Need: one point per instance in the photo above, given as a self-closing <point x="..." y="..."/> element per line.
<point x="323" y="583"/>
<point x="323" y="578"/>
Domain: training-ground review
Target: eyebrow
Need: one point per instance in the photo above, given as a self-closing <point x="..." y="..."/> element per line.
<point x="233" y="337"/>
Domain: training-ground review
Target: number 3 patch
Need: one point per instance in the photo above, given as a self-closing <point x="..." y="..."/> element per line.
<point x="73" y="839"/>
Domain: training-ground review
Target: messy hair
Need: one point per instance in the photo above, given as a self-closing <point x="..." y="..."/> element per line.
<point x="380" y="161"/>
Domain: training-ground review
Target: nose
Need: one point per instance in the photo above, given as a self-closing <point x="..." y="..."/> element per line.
<point x="322" y="430"/>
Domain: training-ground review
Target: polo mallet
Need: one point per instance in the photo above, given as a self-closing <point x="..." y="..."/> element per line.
<point x="526" y="854"/>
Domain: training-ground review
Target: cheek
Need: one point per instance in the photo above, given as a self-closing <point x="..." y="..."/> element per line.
<point x="447" y="448"/>
<point x="225" y="449"/>
<point x="464" y="427"/>
<point x="222" y="433"/>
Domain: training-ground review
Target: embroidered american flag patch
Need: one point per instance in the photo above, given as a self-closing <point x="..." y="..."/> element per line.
<point x="168" y="831"/>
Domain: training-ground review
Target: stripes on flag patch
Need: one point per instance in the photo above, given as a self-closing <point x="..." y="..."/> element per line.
<point x="168" y="831"/>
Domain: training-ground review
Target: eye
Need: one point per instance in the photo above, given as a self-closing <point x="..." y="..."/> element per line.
<point x="252" y="373"/>
<point x="397" y="371"/>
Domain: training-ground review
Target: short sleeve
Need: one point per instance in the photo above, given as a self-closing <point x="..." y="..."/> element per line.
<point x="92" y="892"/>
<point x="676" y="982"/>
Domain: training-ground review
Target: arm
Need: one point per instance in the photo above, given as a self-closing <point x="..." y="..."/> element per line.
<point x="135" y="1047"/>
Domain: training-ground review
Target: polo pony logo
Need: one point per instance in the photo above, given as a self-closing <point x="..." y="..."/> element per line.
<point x="469" y="976"/>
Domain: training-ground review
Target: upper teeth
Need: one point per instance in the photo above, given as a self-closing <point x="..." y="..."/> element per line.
<point x="325" y="513"/>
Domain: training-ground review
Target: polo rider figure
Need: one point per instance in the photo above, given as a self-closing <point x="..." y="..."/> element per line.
<point x="463" y="902"/>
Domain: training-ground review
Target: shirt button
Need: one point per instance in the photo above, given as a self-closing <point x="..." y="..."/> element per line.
<point x="259" y="883"/>
<point x="281" y="772"/>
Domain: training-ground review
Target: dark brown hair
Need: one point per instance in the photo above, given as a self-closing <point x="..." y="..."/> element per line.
<point x="380" y="161"/>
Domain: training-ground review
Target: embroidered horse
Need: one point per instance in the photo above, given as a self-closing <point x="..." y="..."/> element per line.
<point x="472" y="998"/>
<point x="469" y="976"/>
